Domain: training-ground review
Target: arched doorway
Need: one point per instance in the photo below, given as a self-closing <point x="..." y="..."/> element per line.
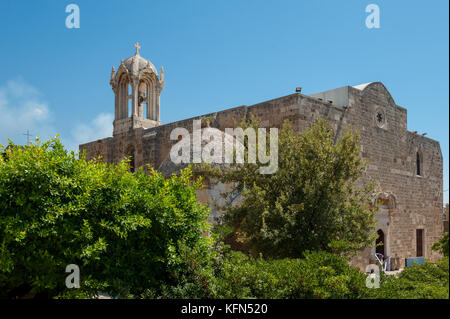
<point x="387" y="205"/>
<point x="379" y="243"/>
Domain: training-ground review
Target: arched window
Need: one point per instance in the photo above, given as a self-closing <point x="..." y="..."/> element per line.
<point x="418" y="164"/>
<point x="123" y="97"/>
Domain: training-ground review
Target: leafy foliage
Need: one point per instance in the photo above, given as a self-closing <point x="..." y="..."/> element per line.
<point x="317" y="275"/>
<point x="236" y="275"/>
<point x="141" y="235"/>
<point x="196" y="281"/>
<point x="428" y="281"/>
<point x="442" y="245"/>
<point x="311" y="202"/>
<point x="127" y="232"/>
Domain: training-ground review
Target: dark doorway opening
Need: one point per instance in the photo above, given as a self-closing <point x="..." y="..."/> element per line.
<point x="419" y="242"/>
<point x="379" y="243"/>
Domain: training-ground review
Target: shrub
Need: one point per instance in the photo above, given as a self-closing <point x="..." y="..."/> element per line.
<point x="194" y="282"/>
<point x="428" y="281"/>
<point x="126" y="231"/>
<point x="317" y="275"/>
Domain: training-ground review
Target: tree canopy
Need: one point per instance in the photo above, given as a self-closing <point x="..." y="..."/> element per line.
<point x="312" y="201"/>
<point x="126" y="231"/>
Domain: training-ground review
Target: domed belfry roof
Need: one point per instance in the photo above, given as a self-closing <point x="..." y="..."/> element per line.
<point x="135" y="66"/>
<point x="136" y="63"/>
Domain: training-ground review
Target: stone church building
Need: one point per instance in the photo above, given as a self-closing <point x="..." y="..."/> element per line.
<point x="407" y="166"/>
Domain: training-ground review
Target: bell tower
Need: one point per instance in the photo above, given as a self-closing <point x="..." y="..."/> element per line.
<point x="137" y="87"/>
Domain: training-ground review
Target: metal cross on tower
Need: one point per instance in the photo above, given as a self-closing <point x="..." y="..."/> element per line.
<point x="28" y="136"/>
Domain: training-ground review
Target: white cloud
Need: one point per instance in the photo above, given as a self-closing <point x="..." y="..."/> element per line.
<point x="21" y="109"/>
<point x="100" y="127"/>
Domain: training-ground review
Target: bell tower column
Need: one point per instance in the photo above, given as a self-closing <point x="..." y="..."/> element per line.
<point x="134" y="99"/>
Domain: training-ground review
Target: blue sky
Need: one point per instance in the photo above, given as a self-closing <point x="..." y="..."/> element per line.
<point x="216" y="55"/>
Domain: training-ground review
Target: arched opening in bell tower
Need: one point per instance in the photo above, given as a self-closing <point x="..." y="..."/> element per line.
<point x="137" y="88"/>
<point x="129" y="101"/>
<point x="123" y="96"/>
<point x="144" y="97"/>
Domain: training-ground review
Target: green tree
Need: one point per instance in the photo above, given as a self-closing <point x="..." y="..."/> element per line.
<point x="126" y="231"/>
<point x="312" y="202"/>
